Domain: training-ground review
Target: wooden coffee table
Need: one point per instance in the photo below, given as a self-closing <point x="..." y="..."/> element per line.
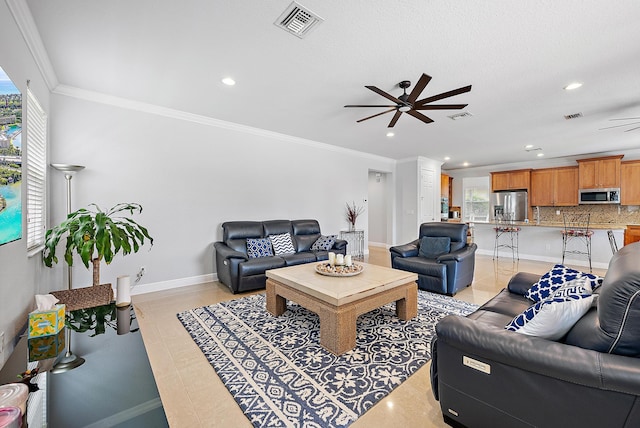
<point x="339" y="301"/>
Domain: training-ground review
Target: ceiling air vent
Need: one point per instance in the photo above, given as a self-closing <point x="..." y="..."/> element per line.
<point x="459" y="116"/>
<point x="298" y="20"/>
<point x="573" y="116"/>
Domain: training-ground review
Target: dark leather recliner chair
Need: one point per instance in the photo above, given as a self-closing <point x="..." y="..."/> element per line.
<point x="447" y="273"/>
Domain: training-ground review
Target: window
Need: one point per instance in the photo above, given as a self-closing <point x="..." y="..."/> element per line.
<point x="36" y="163"/>
<point x="476" y="199"/>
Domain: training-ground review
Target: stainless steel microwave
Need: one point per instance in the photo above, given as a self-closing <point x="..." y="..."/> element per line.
<point x="599" y="196"/>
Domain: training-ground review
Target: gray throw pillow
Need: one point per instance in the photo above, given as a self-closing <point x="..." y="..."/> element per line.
<point x="434" y="246"/>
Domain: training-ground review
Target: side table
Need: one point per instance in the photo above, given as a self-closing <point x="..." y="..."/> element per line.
<point x="355" y="242"/>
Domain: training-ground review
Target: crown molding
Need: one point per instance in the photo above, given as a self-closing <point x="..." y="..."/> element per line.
<point x="100" y="98"/>
<point x="27" y="26"/>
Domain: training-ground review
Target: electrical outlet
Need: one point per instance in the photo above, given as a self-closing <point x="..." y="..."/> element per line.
<point x="140" y="273"/>
<point x="548" y="247"/>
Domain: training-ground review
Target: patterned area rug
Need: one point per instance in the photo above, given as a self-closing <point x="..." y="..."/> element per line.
<point x="281" y="376"/>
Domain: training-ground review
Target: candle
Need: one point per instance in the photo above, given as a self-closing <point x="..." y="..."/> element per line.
<point x="332" y="259"/>
<point x="347" y="260"/>
<point x="123" y="290"/>
<point x="339" y="259"/>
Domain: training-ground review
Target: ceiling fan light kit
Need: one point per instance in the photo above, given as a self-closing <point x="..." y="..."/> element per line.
<point x="409" y="103"/>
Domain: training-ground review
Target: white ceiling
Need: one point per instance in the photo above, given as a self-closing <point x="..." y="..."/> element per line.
<point x="518" y="55"/>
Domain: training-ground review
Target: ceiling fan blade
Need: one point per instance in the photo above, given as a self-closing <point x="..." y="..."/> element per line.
<point x="384" y="94"/>
<point x="394" y="119"/>
<point x="369" y="106"/>
<point x="420" y="116"/>
<point x="443" y="95"/>
<point x="618" y="126"/>
<point x="441" y="107"/>
<point x="417" y="90"/>
<point x="376" y="115"/>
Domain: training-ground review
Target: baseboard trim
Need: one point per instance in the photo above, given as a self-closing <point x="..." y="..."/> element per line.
<point x="554" y="260"/>
<point x="173" y="283"/>
<point x="379" y="244"/>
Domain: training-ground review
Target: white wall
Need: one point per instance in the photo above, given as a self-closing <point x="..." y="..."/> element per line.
<point x="21" y="276"/>
<point x="191" y="177"/>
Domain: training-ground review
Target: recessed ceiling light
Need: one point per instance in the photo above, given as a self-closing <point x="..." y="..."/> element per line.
<point x="528" y="146"/>
<point x="390" y="134"/>
<point x="447" y="158"/>
<point x="540" y="155"/>
<point x="572" y="86"/>
<point x="228" y="81"/>
<point x="465" y="164"/>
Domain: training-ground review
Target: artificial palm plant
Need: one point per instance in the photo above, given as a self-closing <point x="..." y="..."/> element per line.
<point x="96" y="235"/>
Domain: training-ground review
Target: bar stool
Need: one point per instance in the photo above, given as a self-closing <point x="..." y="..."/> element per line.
<point x="506" y="236"/>
<point x="576" y="229"/>
<point x="612" y="241"/>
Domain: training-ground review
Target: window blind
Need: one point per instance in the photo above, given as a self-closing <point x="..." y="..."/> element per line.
<point x="36" y="163"/>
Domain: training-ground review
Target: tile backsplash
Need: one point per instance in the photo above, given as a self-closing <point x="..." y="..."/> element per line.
<point x="600" y="214"/>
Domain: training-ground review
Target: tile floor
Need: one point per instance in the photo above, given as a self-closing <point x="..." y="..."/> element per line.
<point x="193" y="395"/>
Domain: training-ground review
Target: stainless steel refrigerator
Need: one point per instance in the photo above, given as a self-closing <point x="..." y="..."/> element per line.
<point x="508" y="205"/>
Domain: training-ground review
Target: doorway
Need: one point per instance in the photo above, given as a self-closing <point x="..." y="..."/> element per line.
<point x="380" y="208"/>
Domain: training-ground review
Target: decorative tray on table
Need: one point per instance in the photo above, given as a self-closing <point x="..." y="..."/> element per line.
<point x="339" y="270"/>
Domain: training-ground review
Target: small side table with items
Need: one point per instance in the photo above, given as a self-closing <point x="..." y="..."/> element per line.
<point x="355" y="242"/>
<point x="115" y="360"/>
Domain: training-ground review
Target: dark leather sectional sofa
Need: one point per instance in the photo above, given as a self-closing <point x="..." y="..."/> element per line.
<point x="240" y="273"/>
<point x="486" y="376"/>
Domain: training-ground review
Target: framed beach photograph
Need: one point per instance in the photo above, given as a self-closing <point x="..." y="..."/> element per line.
<point x="10" y="160"/>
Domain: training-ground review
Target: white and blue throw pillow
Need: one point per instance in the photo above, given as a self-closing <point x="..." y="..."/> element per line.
<point x="324" y="243"/>
<point x="282" y="244"/>
<point x="553" y="317"/>
<point x="258" y="247"/>
<point x="556" y="278"/>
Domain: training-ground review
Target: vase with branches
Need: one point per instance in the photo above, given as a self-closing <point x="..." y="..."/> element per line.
<point x="353" y="211"/>
<point x="96" y="235"/>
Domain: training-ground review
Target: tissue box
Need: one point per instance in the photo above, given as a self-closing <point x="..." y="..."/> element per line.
<point x="47" y="322"/>
<point x="45" y="347"/>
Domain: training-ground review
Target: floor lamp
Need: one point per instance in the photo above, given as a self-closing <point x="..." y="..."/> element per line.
<point x="70" y="360"/>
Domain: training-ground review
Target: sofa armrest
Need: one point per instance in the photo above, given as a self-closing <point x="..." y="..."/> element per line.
<point x="406" y="250"/>
<point x="226" y="252"/>
<point x="459" y="255"/>
<point x="340" y="246"/>
<point x="489" y="343"/>
<point x="521" y="282"/>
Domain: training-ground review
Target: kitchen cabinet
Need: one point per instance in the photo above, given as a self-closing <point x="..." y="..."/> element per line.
<point x="445" y="186"/>
<point x="554" y="187"/>
<point x="631" y="234"/>
<point x="510" y="180"/>
<point x="599" y="173"/>
<point x="630" y="183"/>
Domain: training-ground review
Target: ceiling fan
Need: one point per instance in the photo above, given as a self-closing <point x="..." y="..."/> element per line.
<point x="410" y="104"/>
<point x="626" y="124"/>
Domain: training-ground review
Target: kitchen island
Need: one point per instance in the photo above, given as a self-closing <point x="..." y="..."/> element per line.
<point x="543" y="242"/>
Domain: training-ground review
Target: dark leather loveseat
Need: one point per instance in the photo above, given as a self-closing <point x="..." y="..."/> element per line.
<point x="486" y="376"/>
<point x="240" y="273"/>
<point x="446" y="273"/>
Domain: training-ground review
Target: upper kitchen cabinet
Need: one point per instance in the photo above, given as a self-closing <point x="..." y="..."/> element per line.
<point x="630" y="183"/>
<point x="554" y="187"/>
<point x="599" y="173"/>
<point x="510" y="180"/>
